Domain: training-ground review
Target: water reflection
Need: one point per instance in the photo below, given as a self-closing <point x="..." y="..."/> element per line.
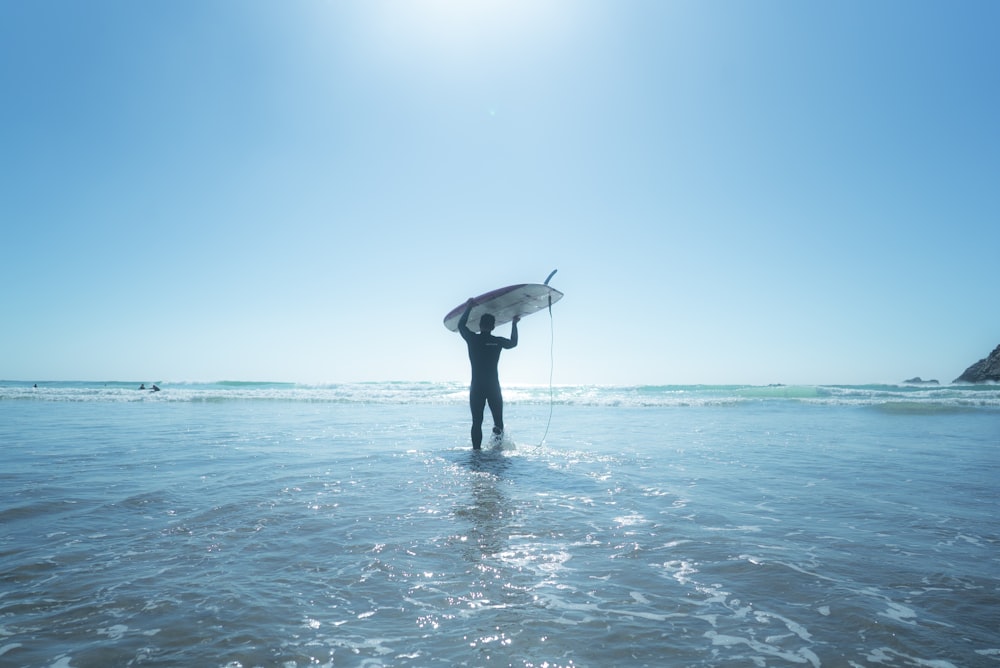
<point x="489" y="509"/>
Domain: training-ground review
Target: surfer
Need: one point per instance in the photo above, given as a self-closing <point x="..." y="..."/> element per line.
<point x="484" y="355"/>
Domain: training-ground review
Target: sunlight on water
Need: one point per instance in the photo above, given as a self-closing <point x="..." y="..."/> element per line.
<point x="296" y="531"/>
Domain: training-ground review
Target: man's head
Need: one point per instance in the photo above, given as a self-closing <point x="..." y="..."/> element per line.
<point x="487" y="323"/>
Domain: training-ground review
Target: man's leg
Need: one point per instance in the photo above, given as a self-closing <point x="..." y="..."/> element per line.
<point x="477" y="402"/>
<point x="495" y="400"/>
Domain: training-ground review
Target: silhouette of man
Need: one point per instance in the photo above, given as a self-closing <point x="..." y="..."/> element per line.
<point x="484" y="355"/>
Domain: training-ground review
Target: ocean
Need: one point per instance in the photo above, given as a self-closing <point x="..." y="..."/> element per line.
<point x="272" y="524"/>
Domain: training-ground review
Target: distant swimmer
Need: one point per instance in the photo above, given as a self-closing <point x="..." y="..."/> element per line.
<point x="155" y="388"/>
<point x="143" y="386"/>
<point x="484" y="355"/>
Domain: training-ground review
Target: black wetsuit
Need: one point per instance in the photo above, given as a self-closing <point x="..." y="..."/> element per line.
<point x="484" y="355"/>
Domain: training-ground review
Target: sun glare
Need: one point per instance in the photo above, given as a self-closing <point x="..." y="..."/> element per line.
<point x="450" y="32"/>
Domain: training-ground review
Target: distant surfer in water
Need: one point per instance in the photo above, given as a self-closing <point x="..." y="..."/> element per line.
<point x="484" y="355"/>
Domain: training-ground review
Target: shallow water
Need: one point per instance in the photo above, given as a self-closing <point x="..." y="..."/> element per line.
<point x="291" y="531"/>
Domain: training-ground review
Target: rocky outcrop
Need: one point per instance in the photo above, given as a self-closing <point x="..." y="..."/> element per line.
<point x="983" y="371"/>
<point x="920" y="381"/>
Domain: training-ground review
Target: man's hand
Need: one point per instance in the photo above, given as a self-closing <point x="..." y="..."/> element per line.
<point x="517" y="319"/>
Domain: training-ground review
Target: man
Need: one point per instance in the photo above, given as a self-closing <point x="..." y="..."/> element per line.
<point x="484" y="355"/>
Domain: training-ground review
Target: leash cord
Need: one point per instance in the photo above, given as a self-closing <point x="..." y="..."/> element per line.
<point x="552" y="342"/>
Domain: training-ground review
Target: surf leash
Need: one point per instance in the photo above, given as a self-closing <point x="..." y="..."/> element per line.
<point x="552" y="343"/>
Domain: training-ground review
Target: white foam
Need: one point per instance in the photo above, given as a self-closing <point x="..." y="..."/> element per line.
<point x="900" y="613"/>
<point x="7" y="648"/>
<point x="803" y="655"/>
<point x="885" y="655"/>
<point x="895" y="398"/>
<point x="113" y="632"/>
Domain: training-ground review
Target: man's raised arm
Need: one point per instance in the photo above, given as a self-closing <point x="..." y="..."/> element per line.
<point x="513" y="332"/>
<point x="463" y="322"/>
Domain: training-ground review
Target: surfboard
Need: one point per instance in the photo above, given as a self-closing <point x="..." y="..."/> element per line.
<point x="505" y="303"/>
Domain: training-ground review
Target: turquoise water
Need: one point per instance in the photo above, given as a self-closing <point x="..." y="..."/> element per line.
<point x="244" y="524"/>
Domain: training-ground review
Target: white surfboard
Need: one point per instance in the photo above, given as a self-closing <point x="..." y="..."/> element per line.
<point x="505" y="303"/>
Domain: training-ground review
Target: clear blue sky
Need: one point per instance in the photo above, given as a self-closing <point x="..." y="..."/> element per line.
<point x="733" y="192"/>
